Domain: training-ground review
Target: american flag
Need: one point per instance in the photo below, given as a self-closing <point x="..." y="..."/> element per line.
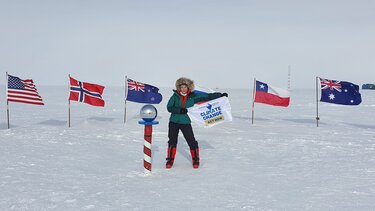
<point x="23" y="91"/>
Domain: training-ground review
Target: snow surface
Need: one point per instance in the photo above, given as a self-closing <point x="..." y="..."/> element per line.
<point x="282" y="162"/>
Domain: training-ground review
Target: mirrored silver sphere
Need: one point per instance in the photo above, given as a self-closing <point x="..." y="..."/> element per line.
<point x="148" y="113"/>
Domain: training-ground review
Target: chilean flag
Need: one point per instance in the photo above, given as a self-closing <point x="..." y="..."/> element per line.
<point x="271" y="95"/>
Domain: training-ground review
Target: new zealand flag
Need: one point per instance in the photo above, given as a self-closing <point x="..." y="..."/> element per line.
<point x="142" y="93"/>
<point x="340" y="92"/>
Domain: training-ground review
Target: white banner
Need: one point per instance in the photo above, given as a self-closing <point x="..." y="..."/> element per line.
<point x="211" y="113"/>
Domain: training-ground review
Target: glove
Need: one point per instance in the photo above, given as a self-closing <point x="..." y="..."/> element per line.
<point x="183" y="111"/>
<point x="224" y="94"/>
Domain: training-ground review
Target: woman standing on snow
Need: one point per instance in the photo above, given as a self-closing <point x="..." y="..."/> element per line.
<point x="183" y="98"/>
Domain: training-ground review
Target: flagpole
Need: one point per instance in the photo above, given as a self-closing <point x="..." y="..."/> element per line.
<point x="252" y="109"/>
<point x="289" y="71"/>
<point x="69" y="102"/>
<point x="7" y="99"/>
<point x="126" y="93"/>
<point x="317" y="103"/>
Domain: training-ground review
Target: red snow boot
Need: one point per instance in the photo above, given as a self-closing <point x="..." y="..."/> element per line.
<point x="171" y="156"/>
<point x="195" y="157"/>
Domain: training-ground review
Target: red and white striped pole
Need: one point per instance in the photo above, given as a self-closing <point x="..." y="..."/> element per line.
<point x="148" y="114"/>
<point x="147" y="159"/>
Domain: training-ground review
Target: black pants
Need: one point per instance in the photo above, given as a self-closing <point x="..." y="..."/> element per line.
<point x="186" y="130"/>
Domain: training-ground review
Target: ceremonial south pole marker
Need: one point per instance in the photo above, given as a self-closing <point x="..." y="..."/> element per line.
<point x="148" y="114"/>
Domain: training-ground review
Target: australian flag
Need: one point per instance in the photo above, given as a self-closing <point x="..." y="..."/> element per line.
<point x="339" y="92"/>
<point x="142" y="93"/>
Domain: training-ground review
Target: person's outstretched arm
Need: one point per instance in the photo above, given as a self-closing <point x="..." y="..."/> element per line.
<point x="208" y="97"/>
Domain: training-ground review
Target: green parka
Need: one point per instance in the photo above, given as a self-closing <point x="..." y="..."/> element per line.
<point x="175" y="104"/>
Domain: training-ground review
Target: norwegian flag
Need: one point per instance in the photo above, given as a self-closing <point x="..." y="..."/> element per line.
<point x="86" y="92"/>
<point x="339" y="92"/>
<point x="23" y="91"/>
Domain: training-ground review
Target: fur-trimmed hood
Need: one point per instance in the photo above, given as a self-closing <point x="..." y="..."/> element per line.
<point x="188" y="82"/>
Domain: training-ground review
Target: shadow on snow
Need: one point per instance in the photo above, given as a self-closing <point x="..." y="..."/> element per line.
<point x="53" y="122"/>
<point x="361" y="126"/>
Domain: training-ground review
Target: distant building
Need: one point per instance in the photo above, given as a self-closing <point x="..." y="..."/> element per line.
<point x="368" y="86"/>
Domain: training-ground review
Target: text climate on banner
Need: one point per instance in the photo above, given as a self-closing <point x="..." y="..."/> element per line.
<point x="211" y="113"/>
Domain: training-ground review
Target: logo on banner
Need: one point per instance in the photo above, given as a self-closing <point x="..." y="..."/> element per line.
<point x="212" y="115"/>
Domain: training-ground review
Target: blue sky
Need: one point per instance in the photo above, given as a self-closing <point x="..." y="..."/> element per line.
<point x="217" y="43"/>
